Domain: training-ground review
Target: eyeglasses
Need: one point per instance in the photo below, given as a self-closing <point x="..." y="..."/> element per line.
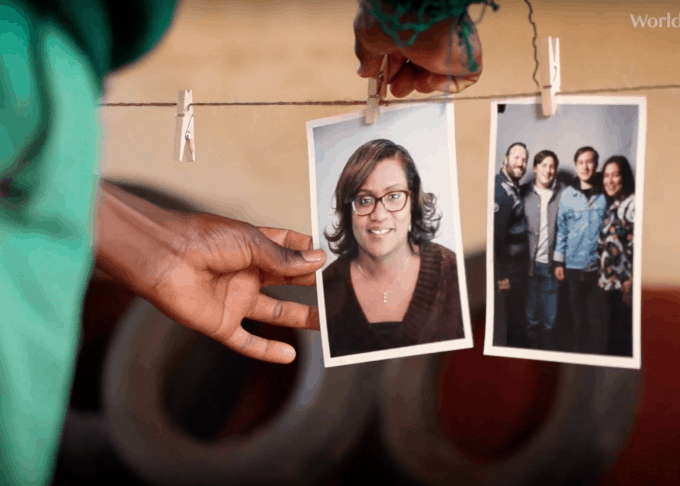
<point x="392" y="201"/>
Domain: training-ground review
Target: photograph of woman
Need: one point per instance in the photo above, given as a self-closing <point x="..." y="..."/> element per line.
<point x="385" y="209"/>
<point x="615" y="250"/>
<point x="391" y="286"/>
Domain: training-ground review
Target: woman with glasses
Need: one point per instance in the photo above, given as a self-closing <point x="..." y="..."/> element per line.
<point x="391" y="286"/>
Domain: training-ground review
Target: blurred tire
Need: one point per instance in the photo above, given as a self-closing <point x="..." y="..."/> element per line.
<point x="584" y="429"/>
<point x="315" y="427"/>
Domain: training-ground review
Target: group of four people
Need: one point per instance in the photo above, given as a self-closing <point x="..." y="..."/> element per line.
<point x="575" y="241"/>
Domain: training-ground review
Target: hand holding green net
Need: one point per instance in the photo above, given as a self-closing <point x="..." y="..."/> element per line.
<point x="417" y="16"/>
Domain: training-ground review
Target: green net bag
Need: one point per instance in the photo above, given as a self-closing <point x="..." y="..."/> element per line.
<point x="428" y="13"/>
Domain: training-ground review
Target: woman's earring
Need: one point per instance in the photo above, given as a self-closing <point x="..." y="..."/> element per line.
<point x="409" y="227"/>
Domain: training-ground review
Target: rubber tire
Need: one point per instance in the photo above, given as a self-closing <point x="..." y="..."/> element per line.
<point x="315" y="429"/>
<point x="592" y="415"/>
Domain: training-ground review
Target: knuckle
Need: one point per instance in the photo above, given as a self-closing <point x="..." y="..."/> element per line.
<point x="266" y="346"/>
<point x="288" y="256"/>
<point x="359" y="51"/>
<point x="288" y="235"/>
<point x="242" y="244"/>
<point x="253" y="305"/>
<point x="247" y="342"/>
<point x="277" y="312"/>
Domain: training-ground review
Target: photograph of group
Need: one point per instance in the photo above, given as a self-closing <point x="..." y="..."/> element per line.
<point x="385" y="208"/>
<point x="564" y="230"/>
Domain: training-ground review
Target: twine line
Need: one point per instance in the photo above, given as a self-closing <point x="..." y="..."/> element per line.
<point x="441" y="99"/>
<point x="436" y="99"/>
<point x="533" y="42"/>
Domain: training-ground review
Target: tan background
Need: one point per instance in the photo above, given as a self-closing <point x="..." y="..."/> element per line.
<point x="252" y="161"/>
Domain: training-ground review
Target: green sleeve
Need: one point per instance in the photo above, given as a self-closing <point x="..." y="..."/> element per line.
<point x="50" y="139"/>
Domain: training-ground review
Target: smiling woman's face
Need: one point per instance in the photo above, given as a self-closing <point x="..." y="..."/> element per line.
<point x="612" y="180"/>
<point x="383" y="233"/>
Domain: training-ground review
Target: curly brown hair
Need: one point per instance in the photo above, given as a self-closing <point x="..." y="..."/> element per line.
<point x="424" y="217"/>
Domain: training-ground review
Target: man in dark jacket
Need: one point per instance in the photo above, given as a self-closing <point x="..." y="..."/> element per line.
<point x="541" y="199"/>
<point x="511" y="255"/>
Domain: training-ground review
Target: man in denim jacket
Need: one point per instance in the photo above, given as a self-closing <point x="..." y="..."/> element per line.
<point x="582" y="208"/>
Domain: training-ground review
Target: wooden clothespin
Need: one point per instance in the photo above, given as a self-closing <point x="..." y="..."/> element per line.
<point x="550" y="77"/>
<point x="377" y="90"/>
<point x="184" y="126"/>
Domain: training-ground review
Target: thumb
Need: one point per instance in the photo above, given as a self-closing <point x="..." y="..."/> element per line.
<point x="279" y="260"/>
<point x="369" y="62"/>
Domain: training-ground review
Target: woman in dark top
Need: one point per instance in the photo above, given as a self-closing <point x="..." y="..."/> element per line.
<point x="615" y="250"/>
<point x="391" y="286"/>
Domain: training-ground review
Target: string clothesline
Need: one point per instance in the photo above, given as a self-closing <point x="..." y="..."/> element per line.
<point x="436" y="99"/>
<point x="395" y="102"/>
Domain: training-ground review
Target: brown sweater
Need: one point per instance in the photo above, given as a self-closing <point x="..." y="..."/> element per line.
<point x="433" y="315"/>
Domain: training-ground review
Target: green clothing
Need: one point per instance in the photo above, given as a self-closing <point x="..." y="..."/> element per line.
<point x="53" y="58"/>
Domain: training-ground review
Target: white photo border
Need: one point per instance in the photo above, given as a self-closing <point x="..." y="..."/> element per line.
<point x="633" y="362"/>
<point x="451" y="345"/>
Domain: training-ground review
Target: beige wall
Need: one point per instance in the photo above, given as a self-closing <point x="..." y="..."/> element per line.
<point x="252" y="162"/>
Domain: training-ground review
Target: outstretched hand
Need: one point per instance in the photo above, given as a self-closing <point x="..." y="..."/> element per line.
<point x="205" y="271"/>
<point x="215" y="283"/>
<point x="437" y="61"/>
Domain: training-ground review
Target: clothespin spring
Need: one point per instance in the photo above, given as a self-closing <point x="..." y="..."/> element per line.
<point x="189" y="138"/>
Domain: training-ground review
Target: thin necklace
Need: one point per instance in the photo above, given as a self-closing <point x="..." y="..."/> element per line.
<point x="386" y="291"/>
